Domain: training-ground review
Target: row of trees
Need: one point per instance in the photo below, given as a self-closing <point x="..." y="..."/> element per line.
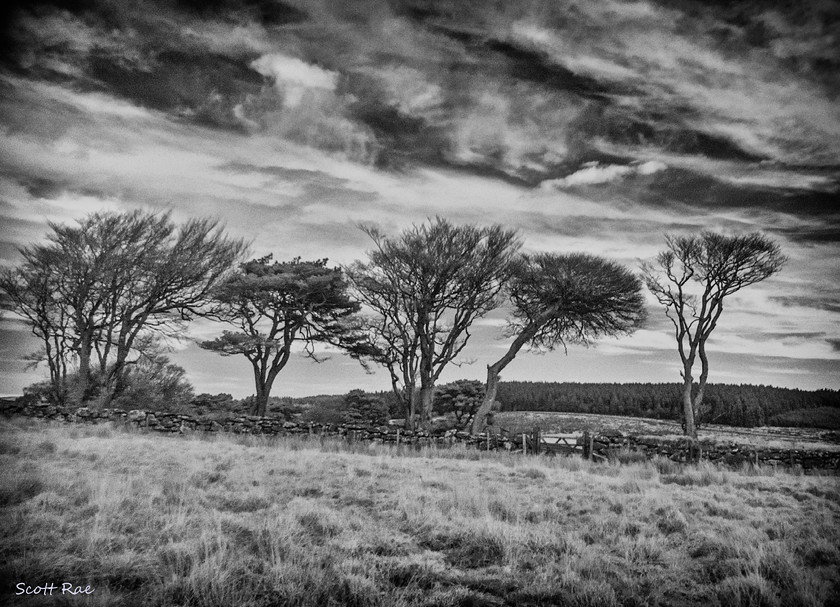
<point x="735" y="405"/>
<point x="102" y="295"/>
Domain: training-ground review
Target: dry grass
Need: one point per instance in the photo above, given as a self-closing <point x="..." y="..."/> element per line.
<point x="246" y="521"/>
<point x="766" y="437"/>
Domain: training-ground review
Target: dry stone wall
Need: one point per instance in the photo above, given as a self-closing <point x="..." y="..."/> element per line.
<point x="608" y="446"/>
<point x="731" y="454"/>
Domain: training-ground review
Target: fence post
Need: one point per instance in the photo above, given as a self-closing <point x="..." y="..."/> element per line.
<point x="524" y="444"/>
<point x="587" y="445"/>
<point x="398" y="437"/>
<point x="536" y="440"/>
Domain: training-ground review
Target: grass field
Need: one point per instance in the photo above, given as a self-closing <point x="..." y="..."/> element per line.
<point x="243" y="521"/>
<point x="761" y="437"/>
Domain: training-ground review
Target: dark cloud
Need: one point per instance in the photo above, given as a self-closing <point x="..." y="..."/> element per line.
<point x="834" y="343"/>
<point x="403" y="140"/>
<point x="203" y="87"/>
<point x="825" y="303"/>
<point x="782" y="335"/>
<point x="827" y="234"/>
<point x="684" y="186"/>
<point x="265" y="12"/>
<point x="662" y="130"/>
<point x="573" y="90"/>
<point x="528" y="65"/>
<point x="43" y="187"/>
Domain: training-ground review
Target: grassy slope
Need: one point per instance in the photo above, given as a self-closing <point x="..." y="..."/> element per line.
<point x="238" y="521"/>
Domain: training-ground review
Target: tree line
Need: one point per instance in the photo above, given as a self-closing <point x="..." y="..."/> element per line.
<point x="457" y="403"/>
<point x="104" y="297"/>
<point x="728" y="404"/>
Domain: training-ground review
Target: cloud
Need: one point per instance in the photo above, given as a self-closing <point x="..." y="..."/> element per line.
<point x="823" y="303"/>
<point x="294" y="77"/>
<point x="593" y="173"/>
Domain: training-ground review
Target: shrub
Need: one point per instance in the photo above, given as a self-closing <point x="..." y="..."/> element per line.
<point x="363" y="409"/>
<point x="460" y="399"/>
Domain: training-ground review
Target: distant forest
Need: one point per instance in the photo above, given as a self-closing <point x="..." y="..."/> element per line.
<point x="735" y="405"/>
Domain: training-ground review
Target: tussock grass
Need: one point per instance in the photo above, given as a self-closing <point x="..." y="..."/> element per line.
<point x="251" y="521"/>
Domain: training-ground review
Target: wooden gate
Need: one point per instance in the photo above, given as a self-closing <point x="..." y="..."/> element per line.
<point x="536" y="442"/>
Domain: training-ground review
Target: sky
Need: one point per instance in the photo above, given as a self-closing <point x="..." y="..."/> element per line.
<point x="587" y="126"/>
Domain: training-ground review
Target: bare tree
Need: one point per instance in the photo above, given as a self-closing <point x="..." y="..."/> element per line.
<point x="426" y="287"/>
<point x="275" y="305"/>
<point x="562" y="299"/>
<point x="30" y="291"/>
<point x="691" y="279"/>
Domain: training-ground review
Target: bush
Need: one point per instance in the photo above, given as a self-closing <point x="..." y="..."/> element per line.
<point x="460" y="399"/>
<point x="325" y="411"/>
<point x="155" y="384"/>
<point x="364" y="409"/>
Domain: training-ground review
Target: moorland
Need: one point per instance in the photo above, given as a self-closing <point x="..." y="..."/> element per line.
<point x="222" y="520"/>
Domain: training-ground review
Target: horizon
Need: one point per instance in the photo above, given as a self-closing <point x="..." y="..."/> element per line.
<point x="587" y="127"/>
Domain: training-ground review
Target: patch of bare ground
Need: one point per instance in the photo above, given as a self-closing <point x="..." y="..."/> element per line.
<point x="248" y="521"/>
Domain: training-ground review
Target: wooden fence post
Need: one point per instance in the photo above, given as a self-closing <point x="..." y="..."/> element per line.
<point x="587" y="445"/>
<point x="524" y="444"/>
<point x="536" y="440"/>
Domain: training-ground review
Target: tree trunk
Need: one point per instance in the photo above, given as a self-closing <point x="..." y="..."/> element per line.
<point x="496" y="368"/>
<point x="701" y="388"/>
<point x="427" y="393"/>
<point x="80" y="392"/>
<point x="489" y="399"/>
<point x="688" y="407"/>
<point x="260" y="403"/>
<point x="408" y="411"/>
<point x="412" y="414"/>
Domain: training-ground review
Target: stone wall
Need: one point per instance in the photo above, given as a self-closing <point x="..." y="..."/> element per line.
<point x="605" y="446"/>
<point x="731" y="454"/>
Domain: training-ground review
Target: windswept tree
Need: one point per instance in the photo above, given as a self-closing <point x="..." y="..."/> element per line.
<point x="31" y="291"/>
<point x="274" y="305"/>
<point x="112" y="284"/>
<point x="691" y="279"/>
<point x="425" y="288"/>
<point x="564" y="299"/>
